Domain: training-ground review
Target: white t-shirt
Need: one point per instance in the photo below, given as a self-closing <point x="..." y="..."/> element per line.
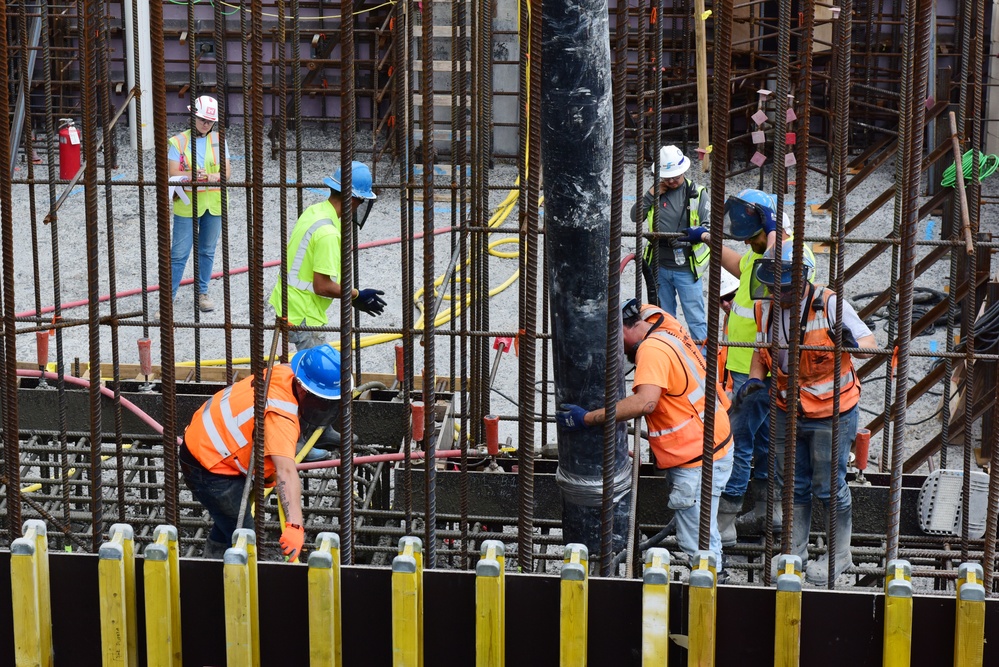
<point x="851" y="321"/>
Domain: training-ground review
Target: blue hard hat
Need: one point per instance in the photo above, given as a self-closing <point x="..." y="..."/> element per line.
<point x="765" y="270"/>
<point x="318" y="369"/>
<point x="360" y="184"/>
<point x="745" y="212"/>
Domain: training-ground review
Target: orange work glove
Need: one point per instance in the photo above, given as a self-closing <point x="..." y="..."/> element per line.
<point x="894" y="363"/>
<point x="292" y="539"/>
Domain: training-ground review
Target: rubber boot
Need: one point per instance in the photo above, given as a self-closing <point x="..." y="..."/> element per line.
<point x="214" y="550"/>
<point x="817" y="571"/>
<point x="751" y="523"/>
<point x="728" y="508"/>
<point x="799" y="536"/>
<point x="315" y="454"/>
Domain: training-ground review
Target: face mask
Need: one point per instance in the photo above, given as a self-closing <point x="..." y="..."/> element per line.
<point x="315" y="411"/>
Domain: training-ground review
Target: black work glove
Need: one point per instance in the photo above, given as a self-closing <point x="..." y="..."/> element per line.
<point x="370" y="301"/>
<point x="749" y="387"/>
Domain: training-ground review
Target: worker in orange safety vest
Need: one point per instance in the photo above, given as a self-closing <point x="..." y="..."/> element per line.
<point x="215" y="454"/>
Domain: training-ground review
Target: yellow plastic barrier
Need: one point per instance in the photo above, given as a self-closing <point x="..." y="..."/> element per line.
<point x="407" y="604"/>
<point x="325" y="640"/>
<point x="242" y="631"/>
<point x="116" y="577"/>
<point x="163" y="649"/>
<point x="787" y="633"/>
<point x="490" y="606"/>
<point x="969" y="621"/>
<point x="30" y="593"/>
<point x="702" y="610"/>
<point x="574" y="603"/>
<point x="898" y="614"/>
<point x="655" y="609"/>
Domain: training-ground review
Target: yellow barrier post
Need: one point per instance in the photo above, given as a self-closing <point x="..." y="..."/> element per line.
<point x="655" y="609"/>
<point x="969" y="619"/>
<point x="898" y="614"/>
<point x="162" y="650"/>
<point x="32" y="604"/>
<point x="490" y="608"/>
<point x="241" y="630"/>
<point x="166" y="535"/>
<point x="116" y="576"/>
<point x="325" y="644"/>
<point x="407" y="607"/>
<point x="702" y="610"/>
<point x="574" y="605"/>
<point x="787" y="634"/>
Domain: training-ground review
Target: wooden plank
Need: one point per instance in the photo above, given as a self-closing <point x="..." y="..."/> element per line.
<point x="703" y="117"/>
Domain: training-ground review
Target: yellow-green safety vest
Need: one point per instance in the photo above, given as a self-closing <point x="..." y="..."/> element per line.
<point x="700" y="253"/>
<point x="742" y="318"/>
<point x="209" y="197"/>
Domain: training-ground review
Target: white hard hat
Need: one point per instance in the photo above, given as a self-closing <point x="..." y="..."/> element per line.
<point x="788" y="225"/>
<point x="672" y="162"/>
<point x="729" y="283"/>
<point x="206" y="107"/>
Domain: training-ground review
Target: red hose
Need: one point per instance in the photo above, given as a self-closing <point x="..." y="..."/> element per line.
<point x="378" y="458"/>
<point x="72" y="379"/>
<point x="627" y="258"/>
<point x="218" y="274"/>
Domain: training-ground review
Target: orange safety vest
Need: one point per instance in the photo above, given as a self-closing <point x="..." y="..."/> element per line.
<point x="220" y="436"/>
<point x="816" y="369"/>
<point x="676" y="426"/>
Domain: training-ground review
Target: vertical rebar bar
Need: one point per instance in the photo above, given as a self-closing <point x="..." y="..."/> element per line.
<point x="222" y="88"/>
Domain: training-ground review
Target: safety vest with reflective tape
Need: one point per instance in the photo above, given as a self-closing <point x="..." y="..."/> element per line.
<point x="209" y="197"/>
<point x="220" y="436"/>
<point x="304" y="304"/>
<point x="741" y="320"/>
<point x="816" y="369"/>
<point x="700" y="253"/>
<point x="676" y="426"/>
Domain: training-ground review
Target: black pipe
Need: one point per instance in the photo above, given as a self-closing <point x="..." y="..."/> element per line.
<point x="576" y="138"/>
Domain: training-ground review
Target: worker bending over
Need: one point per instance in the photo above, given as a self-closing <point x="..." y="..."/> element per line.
<point x="215" y="454"/>
<point x="814" y="323"/>
<point x="668" y="391"/>
<point x="684" y="208"/>
<point x="750" y="217"/>
<point x="315" y="259"/>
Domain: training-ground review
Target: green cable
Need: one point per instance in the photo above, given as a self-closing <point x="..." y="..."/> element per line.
<point x="987" y="165"/>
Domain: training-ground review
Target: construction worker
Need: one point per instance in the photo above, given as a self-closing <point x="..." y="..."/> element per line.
<point x="750" y="217"/>
<point x="683" y="208"/>
<point x="669" y="392"/>
<point x="815" y="314"/>
<point x="215" y="455"/>
<point x="205" y="166"/>
<point x="729" y="286"/>
<point x="314" y="261"/>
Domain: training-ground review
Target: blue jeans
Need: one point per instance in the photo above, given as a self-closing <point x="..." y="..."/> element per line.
<point x="221" y="495"/>
<point x="683" y="284"/>
<point x="685" y="501"/>
<point x="209" y="230"/>
<point x="813" y="456"/>
<point x="751" y="437"/>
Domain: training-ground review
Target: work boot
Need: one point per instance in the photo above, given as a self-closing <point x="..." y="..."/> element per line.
<point x="799" y="536"/>
<point x="214" y="550"/>
<point x="817" y="571"/>
<point x="205" y="303"/>
<point x="315" y="454"/>
<point x="751" y="523"/>
<point x="728" y="508"/>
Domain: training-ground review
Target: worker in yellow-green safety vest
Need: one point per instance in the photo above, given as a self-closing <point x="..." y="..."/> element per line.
<point x="312" y="274"/>
<point x="683" y="209"/>
<point x="750" y="216"/>
<point x="204" y="166"/>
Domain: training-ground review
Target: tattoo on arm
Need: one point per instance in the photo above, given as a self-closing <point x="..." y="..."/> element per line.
<point x="649" y="407"/>
<point x="283" y="495"/>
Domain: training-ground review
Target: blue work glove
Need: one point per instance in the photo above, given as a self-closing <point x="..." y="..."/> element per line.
<point x="370" y="301"/>
<point x="571" y="417"/>
<point x="694" y="235"/>
<point x="769" y="219"/>
<point x="750" y="386"/>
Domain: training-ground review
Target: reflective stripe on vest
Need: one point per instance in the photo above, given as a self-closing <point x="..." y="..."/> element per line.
<point x="700" y="253"/>
<point x="183" y="147"/>
<point x="303" y="247"/>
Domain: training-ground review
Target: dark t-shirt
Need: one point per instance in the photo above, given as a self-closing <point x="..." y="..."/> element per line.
<point x="673" y="218"/>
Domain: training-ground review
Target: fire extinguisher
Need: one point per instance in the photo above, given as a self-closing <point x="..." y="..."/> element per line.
<point x="69" y="149"/>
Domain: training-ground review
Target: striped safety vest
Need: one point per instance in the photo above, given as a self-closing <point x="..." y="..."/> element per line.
<point x="209" y="196"/>
<point x="676" y="433"/>
<point x="221" y="431"/>
<point x="816" y="369"/>
<point x="700" y="253"/>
